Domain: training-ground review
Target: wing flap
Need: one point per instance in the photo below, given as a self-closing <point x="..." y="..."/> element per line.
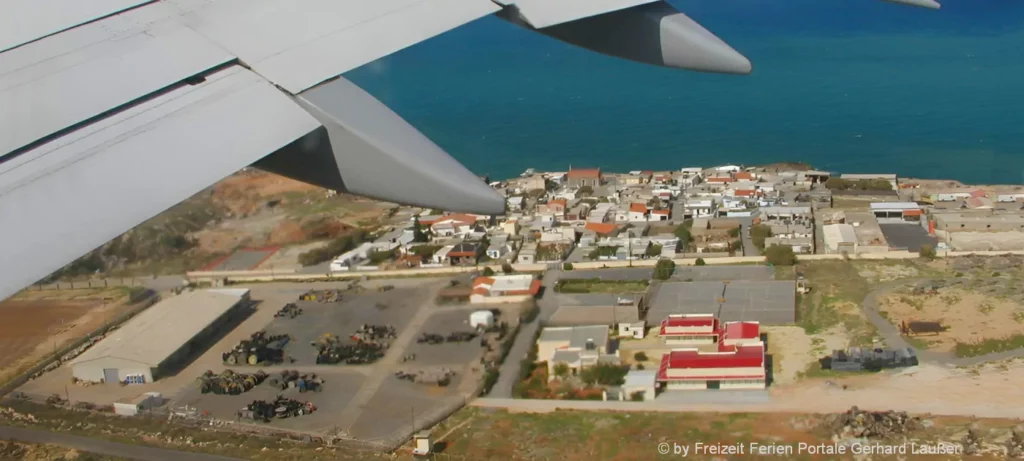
<point x="298" y="44"/>
<point x="70" y="78"/>
<point x="68" y="196"/>
<point x="23" y="21"/>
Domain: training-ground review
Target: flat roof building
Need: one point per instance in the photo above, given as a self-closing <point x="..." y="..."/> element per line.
<point x="160" y="338"/>
<point x="740" y="366"/>
<point x="504" y="288"/>
<point x="577" y="347"/>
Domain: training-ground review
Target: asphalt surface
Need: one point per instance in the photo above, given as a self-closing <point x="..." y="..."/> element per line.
<point x="509" y="371"/>
<point x="103" y="447"/>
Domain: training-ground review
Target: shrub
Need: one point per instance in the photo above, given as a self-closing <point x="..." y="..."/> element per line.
<point x="487" y="272"/>
<point x="780" y="255"/>
<point x="700" y="262"/>
<point x="605" y="374"/>
<point x="758" y="233"/>
<point x="637" y="396"/>
<point x="664" y="269"/>
<point x="926" y="252"/>
<point x="640" y="357"/>
<point x="561" y="370"/>
<point x="507" y="268"/>
<point x="567" y="266"/>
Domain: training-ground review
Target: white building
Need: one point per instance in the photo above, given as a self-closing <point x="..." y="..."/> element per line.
<point x="577" y="347"/>
<point x="839" y="238"/>
<point x="504" y="289"/>
<point x="159" y="338"/>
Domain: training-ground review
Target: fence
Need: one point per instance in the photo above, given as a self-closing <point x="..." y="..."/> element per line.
<point x="90" y="283"/>
<point x="69" y="352"/>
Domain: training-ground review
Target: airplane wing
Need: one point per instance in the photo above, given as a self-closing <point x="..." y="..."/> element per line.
<point x="111" y="111"/>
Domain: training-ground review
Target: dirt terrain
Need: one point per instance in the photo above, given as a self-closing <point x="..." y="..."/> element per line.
<point x="794" y="352"/>
<point x="37" y="323"/>
<point x="970" y="317"/>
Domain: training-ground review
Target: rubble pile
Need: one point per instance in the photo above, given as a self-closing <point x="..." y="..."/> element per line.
<point x="868" y="424"/>
<point x="1015" y="446"/>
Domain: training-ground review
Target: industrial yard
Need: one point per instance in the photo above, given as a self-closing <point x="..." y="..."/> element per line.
<point x="365" y="400"/>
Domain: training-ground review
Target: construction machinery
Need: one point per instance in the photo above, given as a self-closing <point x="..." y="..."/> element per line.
<point x="229" y="382"/>
<point x="461" y="337"/>
<point x="281" y="407"/>
<point x="371" y="333"/>
<point x="435" y="376"/>
<point x="290" y="310"/>
<point x="322" y="296"/>
<point x="331" y="350"/>
<point x="864" y="359"/>
<point x="293" y="379"/>
<point x="430" y="338"/>
<point x="260" y="348"/>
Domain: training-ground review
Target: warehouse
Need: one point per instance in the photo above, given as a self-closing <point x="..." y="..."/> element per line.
<point x="738" y="366"/>
<point x="159" y="338"/>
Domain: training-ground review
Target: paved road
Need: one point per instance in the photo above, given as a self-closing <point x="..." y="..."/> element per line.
<point x="103" y="447"/>
<point x="509" y="371"/>
<point x="748" y="244"/>
<point x="894" y="339"/>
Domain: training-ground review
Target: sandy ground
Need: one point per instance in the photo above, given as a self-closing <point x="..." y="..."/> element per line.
<point x="880" y="273"/>
<point x="985" y="241"/>
<point x="793" y="350"/>
<point x="38" y="323"/>
<point x="288" y="258"/>
<point x="970" y="317"/>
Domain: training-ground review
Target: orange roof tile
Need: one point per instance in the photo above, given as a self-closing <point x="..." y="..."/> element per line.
<point x="664" y="212"/>
<point x="483" y="281"/>
<point x="585" y="173"/>
<point x="601" y="228"/>
<point x="559" y="201"/>
<point x="743" y="175"/>
<point x="638" y="208"/>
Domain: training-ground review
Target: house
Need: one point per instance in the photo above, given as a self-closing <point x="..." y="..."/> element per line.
<point x="555" y="207"/>
<point x="642" y="382"/>
<point x="453" y="225"/>
<point x="464" y="253"/>
<point x="578" y="212"/>
<point x="661" y="215"/>
<point x="698" y="208"/>
<point x="744" y="176"/>
<point x="441" y="256"/>
<point x="528" y="253"/>
<point x="602" y="229"/>
<point x="515" y="203"/>
<point x="534" y="182"/>
<point x="504" y="289"/>
<point x="637" y="212"/>
<point x="352" y="258"/>
<point x="839" y="238"/>
<point x="694" y="329"/>
<point x="499" y="246"/>
<point x="510" y="226"/>
<point x="579" y="177"/>
<point x="737" y="366"/>
<point x="621" y="314"/>
<point x="578" y="347"/>
<point x="903" y="211"/>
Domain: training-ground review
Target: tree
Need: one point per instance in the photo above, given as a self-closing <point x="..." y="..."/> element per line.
<point x="683" y="232"/>
<point x="653" y="250"/>
<point x="640" y="356"/>
<point x="758" y="234"/>
<point x="700" y="262"/>
<point x="734" y="232"/>
<point x="605" y="374"/>
<point x="487" y="272"/>
<point x="561" y="370"/>
<point x="567" y="266"/>
<point x="663" y="269"/>
<point x="418" y="235"/>
<point x="507" y="268"/>
<point x="780" y="255"/>
<point x="927" y="251"/>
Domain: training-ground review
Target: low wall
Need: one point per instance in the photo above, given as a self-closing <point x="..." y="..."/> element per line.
<point x="270" y="276"/>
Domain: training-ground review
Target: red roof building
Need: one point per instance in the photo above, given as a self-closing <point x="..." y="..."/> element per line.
<point x="638" y="207"/>
<point x="721" y="179"/>
<point x="706" y="329"/>
<point x="744" y="193"/>
<point x="746" y="175"/>
<point x="731" y="367"/>
<point x="601" y="228"/>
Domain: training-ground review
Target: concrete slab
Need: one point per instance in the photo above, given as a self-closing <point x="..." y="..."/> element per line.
<point x="907" y="236"/>
<point x="398" y="403"/>
<point x="768" y="302"/>
<point x="447" y="354"/>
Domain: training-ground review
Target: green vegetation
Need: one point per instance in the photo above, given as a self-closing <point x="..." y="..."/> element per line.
<point x="424" y="251"/>
<point x="988" y="346"/>
<point x="550" y="252"/>
<point x="860" y="184"/>
<point x="507" y="268"/>
<point x="734" y="232"/>
<point x="332" y="249"/>
<point x="926" y="252"/>
<point x="838" y="291"/>
<point x="653" y="250"/>
<point x="561" y="370"/>
<point x="758" y="234"/>
<point x="640" y="356"/>
<point x="596" y="285"/>
<point x="605" y="374"/>
<point x="683" y="232"/>
<point x="418" y="234"/>
<point x="378" y="257"/>
<point x="780" y="255"/>
<point x="567" y="266"/>
<point x="487" y="272"/>
<point x="637" y="396"/>
<point x="700" y="262"/>
<point x="596" y="253"/>
<point x="663" y="269"/>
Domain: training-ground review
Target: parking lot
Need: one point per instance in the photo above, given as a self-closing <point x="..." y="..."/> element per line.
<point x="338" y="388"/>
<point x="395" y="307"/>
<point x="446" y="354"/>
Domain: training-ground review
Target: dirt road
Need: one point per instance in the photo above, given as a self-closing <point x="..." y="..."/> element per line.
<point x="103" y="447"/>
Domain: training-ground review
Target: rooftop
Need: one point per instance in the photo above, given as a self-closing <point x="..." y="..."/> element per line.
<point x="152" y="336"/>
<point x="576" y="337"/>
<point x="740" y="356"/>
<point x="584" y="173"/>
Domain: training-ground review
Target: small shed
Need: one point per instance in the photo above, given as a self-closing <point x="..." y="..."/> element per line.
<point x="481" y="319"/>
<point x="421" y="444"/>
<point x="132" y="406"/>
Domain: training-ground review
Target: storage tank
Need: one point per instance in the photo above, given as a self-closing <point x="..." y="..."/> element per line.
<point x="481" y="319"/>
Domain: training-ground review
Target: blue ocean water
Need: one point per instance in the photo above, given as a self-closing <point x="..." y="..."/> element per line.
<point x="846" y="85"/>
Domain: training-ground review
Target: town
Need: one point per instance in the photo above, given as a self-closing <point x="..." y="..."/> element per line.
<point x="748" y="289"/>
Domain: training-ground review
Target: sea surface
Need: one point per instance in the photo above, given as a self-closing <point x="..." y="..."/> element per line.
<point x="846" y="85"/>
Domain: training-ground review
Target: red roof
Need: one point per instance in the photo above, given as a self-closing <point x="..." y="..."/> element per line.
<point x="745" y="192"/>
<point x="720" y="179"/>
<point x="743" y="356"/>
<point x="664" y="212"/>
<point x="601" y="228"/>
<point x="646" y="173"/>
<point x="743" y="175"/>
<point x="585" y="173"/>
<point x="681" y="321"/>
<point x="558" y="201"/>
<point x="638" y="207"/>
<point x="741" y="330"/>
<point x="979" y="193"/>
<point x="482" y="281"/>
